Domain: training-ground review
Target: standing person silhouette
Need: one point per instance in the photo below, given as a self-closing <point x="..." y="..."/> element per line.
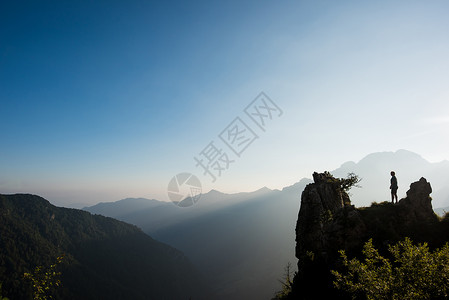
<point x="394" y="187"/>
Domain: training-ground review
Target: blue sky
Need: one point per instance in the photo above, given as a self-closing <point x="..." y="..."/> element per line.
<point x="102" y="100"/>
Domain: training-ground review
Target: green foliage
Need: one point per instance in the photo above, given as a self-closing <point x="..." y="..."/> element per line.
<point x="287" y="283"/>
<point x="370" y="277"/>
<point x="412" y="272"/>
<point x="43" y="280"/>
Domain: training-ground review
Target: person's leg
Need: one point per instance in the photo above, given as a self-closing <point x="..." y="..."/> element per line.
<point x="394" y="195"/>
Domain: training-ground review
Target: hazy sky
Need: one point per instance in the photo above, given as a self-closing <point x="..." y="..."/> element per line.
<point x="102" y="100"/>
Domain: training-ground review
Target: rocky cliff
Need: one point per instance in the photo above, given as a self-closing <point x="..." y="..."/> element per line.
<point x="327" y="223"/>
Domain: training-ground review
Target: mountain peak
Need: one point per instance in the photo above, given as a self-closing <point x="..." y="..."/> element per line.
<point x="263" y="190"/>
<point x="400" y="154"/>
<point x="214" y="192"/>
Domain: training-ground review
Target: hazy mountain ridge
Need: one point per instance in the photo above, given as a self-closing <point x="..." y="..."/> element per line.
<point x="243" y="235"/>
<point x="126" y="206"/>
<point x="104" y="258"/>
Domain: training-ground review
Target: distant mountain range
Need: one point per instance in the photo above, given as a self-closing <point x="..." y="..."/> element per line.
<point x="104" y="258"/>
<point x="242" y="242"/>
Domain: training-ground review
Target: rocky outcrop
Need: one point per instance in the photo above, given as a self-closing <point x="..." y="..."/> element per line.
<point x="327" y="223"/>
<point x="418" y="201"/>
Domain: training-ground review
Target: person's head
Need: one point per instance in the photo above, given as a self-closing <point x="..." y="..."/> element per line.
<point x="392" y="173"/>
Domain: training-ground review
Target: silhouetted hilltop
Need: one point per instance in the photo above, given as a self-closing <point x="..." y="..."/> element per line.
<point x="104" y="258"/>
<point x="327" y="223"/>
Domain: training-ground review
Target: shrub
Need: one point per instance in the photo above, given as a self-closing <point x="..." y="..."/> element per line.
<point x="412" y="272"/>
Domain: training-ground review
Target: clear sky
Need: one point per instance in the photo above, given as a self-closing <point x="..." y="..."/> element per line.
<point x="102" y="100"/>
